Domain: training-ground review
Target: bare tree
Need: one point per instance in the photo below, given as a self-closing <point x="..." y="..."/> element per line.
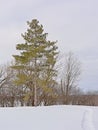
<point x="70" y="78"/>
<point x="3" y="77"/>
<point x="10" y="94"/>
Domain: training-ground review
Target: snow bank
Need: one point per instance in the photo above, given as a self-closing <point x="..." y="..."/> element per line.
<point x="46" y="118"/>
<point x="87" y="122"/>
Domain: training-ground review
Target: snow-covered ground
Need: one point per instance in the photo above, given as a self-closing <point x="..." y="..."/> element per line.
<point x="49" y="118"/>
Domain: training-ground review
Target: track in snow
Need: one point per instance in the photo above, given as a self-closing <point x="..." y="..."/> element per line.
<point x="87" y="121"/>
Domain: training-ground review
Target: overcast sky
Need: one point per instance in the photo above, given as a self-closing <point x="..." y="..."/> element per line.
<point x="74" y="23"/>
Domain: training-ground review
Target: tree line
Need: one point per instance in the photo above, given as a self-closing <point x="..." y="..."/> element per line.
<point x="32" y="78"/>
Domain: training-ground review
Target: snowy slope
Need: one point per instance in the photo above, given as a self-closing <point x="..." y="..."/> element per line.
<point x="49" y="118"/>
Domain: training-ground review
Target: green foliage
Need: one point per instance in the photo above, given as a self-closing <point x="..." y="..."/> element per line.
<point x="37" y="58"/>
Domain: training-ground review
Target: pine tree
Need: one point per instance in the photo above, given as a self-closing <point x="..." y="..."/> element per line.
<point x="36" y="61"/>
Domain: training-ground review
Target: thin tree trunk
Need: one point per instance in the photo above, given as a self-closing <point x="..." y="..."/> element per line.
<point x="35" y="94"/>
<point x="35" y="86"/>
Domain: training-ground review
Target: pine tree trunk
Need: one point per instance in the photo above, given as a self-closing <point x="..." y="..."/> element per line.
<point x="35" y="86"/>
<point x="35" y="94"/>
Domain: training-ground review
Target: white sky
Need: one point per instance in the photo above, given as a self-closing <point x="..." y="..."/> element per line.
<point x="74" y="23"/>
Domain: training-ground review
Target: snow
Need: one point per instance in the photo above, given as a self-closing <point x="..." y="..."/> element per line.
<point x="49" y="118"/>
<point x="87" y="121"/>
